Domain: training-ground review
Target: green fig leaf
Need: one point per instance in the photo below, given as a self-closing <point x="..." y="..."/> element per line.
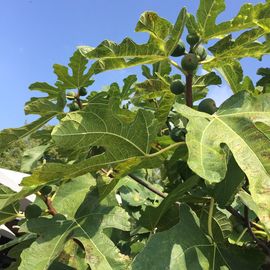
<point x="234" y="125"/>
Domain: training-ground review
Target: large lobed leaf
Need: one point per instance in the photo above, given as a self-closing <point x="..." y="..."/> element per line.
<point x="232" y="72"/>
<point x="101" y="124"/>
<point x="52" y="105"/>
<point x="249" y="16"/>
<point x="227" y="53"/>
<point x="78" y="79"/>
<point x="246" y="45"/>
<point x="225" y="191"/>
<point x="109" y="55"/>
<point x="185" y="246"/>
<point x="234" y="124"/>
<point x="151" y="216"/>
<point x="85" y="222"/>
<point x="31" y="157"/>
<point x="163" y="39"/>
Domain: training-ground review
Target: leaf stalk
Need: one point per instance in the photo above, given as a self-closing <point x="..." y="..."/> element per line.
<point x="210" y="217"/>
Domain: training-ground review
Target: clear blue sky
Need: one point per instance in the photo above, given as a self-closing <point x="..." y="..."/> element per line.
<point x="35" y="34"/>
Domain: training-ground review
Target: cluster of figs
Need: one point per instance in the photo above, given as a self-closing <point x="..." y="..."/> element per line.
<point x="74" y="106"/>
<point x="189" y="64"/>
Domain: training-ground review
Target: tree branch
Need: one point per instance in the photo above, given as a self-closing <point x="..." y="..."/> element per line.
<point x="79" y="102"/>
<point x="50" y="207"/>
<point x="147" y="185"/>
<point x="240" y="217"/>
<point x="258" y="241"/>
<point x="189" y="101"/>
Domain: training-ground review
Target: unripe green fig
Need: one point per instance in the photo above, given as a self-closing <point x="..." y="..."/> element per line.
<point x="189" y="62"/>
<point x="59" y="217"/>
<point x="178" y="134"/>
<point x="179" y="49"/>
<point x="70" y="95"/>
<point x="73" y="106"/>
<point x="93" y="93"/>
<point x="201" y="52"/>
<point x="177" y="87"/>
<point x="192" y="39"/>
<point x="82" y="91"/>
<point x="46" y="190"/>
<point x="207" y="105"/>
<point x="32" y="211"/>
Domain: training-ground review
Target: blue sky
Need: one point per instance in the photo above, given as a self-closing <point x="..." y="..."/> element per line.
<point x="35" y="34"/>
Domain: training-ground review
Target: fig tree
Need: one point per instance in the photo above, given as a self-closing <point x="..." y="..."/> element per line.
<point x="70" y="95"/>
<point x="46" y="190"/>
<point x="177" y="87"/>
<point x="32" y="211"/>
<point x="207" y="105"/>
<point x="179" y="49"/>
<point x="82" y="91"/>
<point x="192" y="39"/>
<point x="178" y="134"/>
<point x="189" y="62"/>
<point x="73" y="106"/>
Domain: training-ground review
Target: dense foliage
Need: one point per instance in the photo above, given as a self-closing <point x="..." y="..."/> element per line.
<point x="145" y="179"/>
<point x="11" y="157"/>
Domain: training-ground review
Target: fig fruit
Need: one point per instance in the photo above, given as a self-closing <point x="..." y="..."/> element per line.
<point x="177" y="87"/>
<point x="189" y="62"/>
<point x="32" y="211"/>
<point x="71" y="95"/>
<point x="82" y="91"/>
<point x="73" y="106"/>
<point x="207" y="105"/>
<point x="201" y="52"/>
<point x="192" y="39"/>
<point x="178" y="134"/>
<point x="179" y="49"/>
<point x="46" y="190"/>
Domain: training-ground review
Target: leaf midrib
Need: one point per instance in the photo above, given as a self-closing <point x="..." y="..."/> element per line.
<point x="247" y="145"/>
<point x="207" y="15"/>
<point x="102" y="133"/>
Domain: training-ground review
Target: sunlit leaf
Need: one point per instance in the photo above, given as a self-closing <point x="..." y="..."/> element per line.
<point x="8" y="136"/>
<point x="78" y="78"/>
<point x="109" y="55"/>
<point x="31" y="156"/>
<point x="42" y="106"/>
<point x="249" y="16"/>
<point x="233" y="125"/>
<point x="44" y="87"/>
<point x="99" y="125"/>
<point x="164" y="37"/>
<point x="86" y="227"/>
